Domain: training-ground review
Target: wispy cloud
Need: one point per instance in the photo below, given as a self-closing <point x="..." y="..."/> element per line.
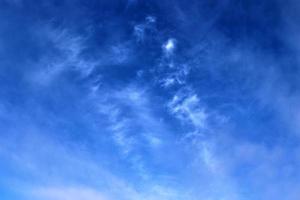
<point x="67" y="194"/>
<point x="141" y="30"/>
<point x="68" y="48"/>
<point x="128" y="100"/>
<point x="187" y="108"/>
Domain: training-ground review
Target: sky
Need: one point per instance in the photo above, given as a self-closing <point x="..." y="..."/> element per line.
<point x="149" y="100"/>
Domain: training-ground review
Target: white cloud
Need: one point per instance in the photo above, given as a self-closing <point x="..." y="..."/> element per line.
<point x="188" y="108"/>
<point x="169" y="46"/>
<point x="134" y="126"/>
<point x="140" y="30"/>
<point x="177" y="76"/>
<point x="68" y="48"/>
<point x="209" y="159"/>
<point x="167" y="82"/>
<point x="150" y="19"/>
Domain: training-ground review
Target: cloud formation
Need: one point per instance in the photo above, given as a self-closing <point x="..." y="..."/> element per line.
<point x="134" y="100"/>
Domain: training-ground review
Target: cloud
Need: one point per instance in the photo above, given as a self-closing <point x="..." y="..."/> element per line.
<point x="172" y="132"/>
<point x="176" y="75"/>
<point x="187" y="108"/>
<point x="67" y="193"/>
<point x="134" y="126"/>
<point x="169" y="47"/>
<point x="142" y="30"/>
<point x="139" y="32"/>
<point x="67" y="57"/>
<point x="267" y="170"/>
<point x="53" y="170"/>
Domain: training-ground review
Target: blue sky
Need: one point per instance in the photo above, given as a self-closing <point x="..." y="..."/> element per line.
<point x="147" y="100"/>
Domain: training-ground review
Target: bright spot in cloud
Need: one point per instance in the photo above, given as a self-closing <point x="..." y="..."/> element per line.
<point x="169" y="46"/>
<point x="150" y="19"/>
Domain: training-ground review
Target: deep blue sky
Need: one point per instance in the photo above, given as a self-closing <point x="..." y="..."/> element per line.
<point x="148" y="100"/>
